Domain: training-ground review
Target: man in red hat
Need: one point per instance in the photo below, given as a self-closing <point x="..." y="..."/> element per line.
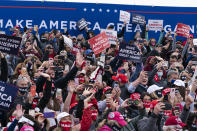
<point x="122" y="80"/>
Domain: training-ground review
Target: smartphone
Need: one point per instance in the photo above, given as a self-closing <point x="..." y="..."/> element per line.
<point x="165" y="64"/>
<point x="33" y="90"/>
<point x="116" y="85"/>
<point x="32" y="112"/>
<point x="49" y="114"/>
<point x="59" y="92"/>
<point x="130" y="101"/>
<point x="61" y="57"/>
<point x="23" y="71"/>
<point x="35" y="27"/>
<point x="66" y="67"/>
<point x="76" y="82"/>
<point x="87" y="63"/>
<point x="136" y="101"/>
<point x="177" y="108"/>
<point x="172" y="93"/>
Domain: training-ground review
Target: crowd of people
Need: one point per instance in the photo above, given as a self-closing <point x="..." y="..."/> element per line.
<point x="64" y="86"/>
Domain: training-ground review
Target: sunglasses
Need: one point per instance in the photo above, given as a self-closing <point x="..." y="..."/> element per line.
<point x="174" y="56"/>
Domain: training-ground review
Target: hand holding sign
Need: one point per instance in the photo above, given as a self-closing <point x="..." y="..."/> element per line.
<point x="155" y="25"/>
<point x="138" y="19"/>
<point x="182" y="30"/>
<point x="82" y="24"/>
<point x="99" y="43"/>
<point x="129" y="52"/>
<point x="9" y="44"/>
<point x="124" y="16"/>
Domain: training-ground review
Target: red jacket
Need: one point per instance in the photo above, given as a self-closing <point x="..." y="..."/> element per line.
<point x="86" y="120"/>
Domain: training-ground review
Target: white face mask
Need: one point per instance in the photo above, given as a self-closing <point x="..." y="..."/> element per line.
<point x="160" y="74"/>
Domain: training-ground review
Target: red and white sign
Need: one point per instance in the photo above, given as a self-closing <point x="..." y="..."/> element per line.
<point x="182" y="30"/>
<point x="155" y="25"/>
<point x="124" y="16"/>
<point x="99" y="43"/>
<point x="112" y="35"/>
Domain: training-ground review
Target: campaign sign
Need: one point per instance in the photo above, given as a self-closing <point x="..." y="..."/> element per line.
<point x="99" y="43"/>
<point x="129" y="52"/>
<point x="82" y="24"/>
<point x="7" y="95"/>
<point x="9" y="44"/>
<point x="112" y="35"/>
<point x="195" y="41"/>
<point x="138" y="19"/>
<point x="124" y="16"/>
<point x="182" y="30"/>
<point x="155" y="25"/>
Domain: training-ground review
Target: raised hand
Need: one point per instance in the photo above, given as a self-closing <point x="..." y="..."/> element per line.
<point x="79" y="60"/>
<point x="19" y="111"/>
<point x="126" y="103"/>
<point x="88" y="99"/>
<point x="71" y="86"/>
<point x="159" y="108"/>
<point x="188" y="101"/>
<point x="46" y="76"/>
<point x="87" y="92"/>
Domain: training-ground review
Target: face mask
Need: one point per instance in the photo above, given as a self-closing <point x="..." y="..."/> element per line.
<point x="65" y="125"/>
<point x="147" y="104"/>
<point x="12" y="118"/>
<point x="22" y="90"/>
<point x="81" y="79"/>
<point x="160" y="74"/>
<point x="153" y="43"/>
<point x="183" y="78"/>
<point x="35" y="79"/>
<point x="94" y="115"/>
<point x="43" y="39"/>
<point x="168" y="113"/>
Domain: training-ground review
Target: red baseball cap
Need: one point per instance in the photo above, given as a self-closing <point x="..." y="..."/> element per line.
<point x="191" y="36"/>
<point x="106" y="89"/>
<point x="118" y="117"/>
<point x="166" y="91"/>
<point x="135" y="96"/>
<point x="93" y="102"/>
<point x="174" y="120"/>
<point x="121" y="78"/>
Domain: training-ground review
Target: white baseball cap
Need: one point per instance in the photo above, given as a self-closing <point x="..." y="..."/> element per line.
<point x="153" y="88"/>
<point x="61" y="115"/>
<point x="179" y="83"/>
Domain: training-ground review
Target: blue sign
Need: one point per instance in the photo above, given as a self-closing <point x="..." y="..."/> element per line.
<point x="7" y="95"/>
<point x="129" y="52"/>
<point x="9" y="44"/>
<point x="60" y="15"/>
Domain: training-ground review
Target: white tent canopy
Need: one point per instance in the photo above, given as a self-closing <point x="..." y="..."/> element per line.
<point x="174" y="3"/>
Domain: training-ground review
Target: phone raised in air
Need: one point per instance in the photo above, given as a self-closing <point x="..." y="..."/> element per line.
<point x="49" y="114"/>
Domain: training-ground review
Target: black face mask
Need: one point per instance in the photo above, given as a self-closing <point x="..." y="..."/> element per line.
<point x="22" y="90"/>
<point x="43" y="39"/>
<point x="183" y="78"/>
<point x="193" y="127"/>
<point x="35" y="79"/>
